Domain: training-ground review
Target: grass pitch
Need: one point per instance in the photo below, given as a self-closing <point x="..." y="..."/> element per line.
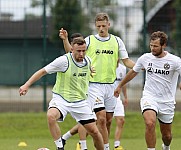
<point x="32" y="129"/>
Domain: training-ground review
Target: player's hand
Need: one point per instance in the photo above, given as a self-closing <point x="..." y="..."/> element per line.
<point x="117" y="91"/>
<point x="125" y="102"/>
<point x="63" y="34"/>
<point x="180" y="85"/>
<point x="23" y="90"/>
<point x="93" y="71"/>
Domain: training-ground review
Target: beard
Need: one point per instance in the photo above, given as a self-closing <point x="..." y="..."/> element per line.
<point x="158" y="53"/>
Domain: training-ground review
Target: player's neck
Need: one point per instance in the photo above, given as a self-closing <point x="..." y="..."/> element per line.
<point x="163" y="54"/>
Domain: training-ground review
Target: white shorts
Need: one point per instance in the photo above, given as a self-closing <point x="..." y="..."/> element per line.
<point x="119" y="109"/>
<point x="78" y="110"/>
<point x="165" y="111"/>
<point x="102" y="95"/>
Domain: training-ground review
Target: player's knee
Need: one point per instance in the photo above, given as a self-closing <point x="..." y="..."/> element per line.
<point x="101" y="121"/>
<point x="109" y="121"/>
<point x="150" y="125"/>
<point x="94" y="133"/>
<point x="167" y="137"/>
<point x="51" y="118"/>
<point x="120" y="122"/>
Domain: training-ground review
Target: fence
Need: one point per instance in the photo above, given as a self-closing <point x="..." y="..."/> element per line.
<point x="26" y="44"/>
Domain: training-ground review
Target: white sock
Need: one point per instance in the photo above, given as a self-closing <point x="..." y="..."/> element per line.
<point x="116" y="143"/>
<point x="83" y="144"/>
<point x="150" y="148"/>
<point x="59" y="143"/>
<point x="106" y="146"/>
<point x="67" y="135"/>
<point x="166" y="147"/>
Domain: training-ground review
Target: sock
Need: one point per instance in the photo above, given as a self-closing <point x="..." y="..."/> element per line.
<point x="166" y="147"/>
<point x="83" y="144"/>
<point x="59" y="143"/>
<point x="116" y="143"/>
<point x="106" y="146"/>
<point x="67" y="135"/>
<point x="150" y="148"/>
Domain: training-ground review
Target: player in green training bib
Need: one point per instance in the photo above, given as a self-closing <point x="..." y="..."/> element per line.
<point x="69" y="92"/>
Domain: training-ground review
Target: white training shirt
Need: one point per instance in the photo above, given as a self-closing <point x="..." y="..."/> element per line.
<point x="161" y="76"/>
<point x="120" y="74"/>
<point x="60" y="64"/>
<point x="123" y="54"/>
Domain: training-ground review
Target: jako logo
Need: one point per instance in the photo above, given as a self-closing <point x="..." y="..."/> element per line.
<point x="98" y="51"/>
<point x="150" y="70"/>
<point x="107" y="52"/>
<point x="82" y="74"/>
<point x="158" y="71"/>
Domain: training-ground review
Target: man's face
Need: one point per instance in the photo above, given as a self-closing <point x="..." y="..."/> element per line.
<point x="156" y="48"/>
<point x="78" y="52"/>
<point x="102" y="28"/>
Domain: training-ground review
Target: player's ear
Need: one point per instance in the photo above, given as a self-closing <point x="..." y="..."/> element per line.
<point x="109" y="24"/>
<point x="164" y="46"/>
<point x="71" y="49"/>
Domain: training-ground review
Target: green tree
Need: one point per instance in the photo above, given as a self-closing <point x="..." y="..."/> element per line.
<point x="66" y="14"/>
<point x="95" y="6"/>
<point x="69" y="15"/>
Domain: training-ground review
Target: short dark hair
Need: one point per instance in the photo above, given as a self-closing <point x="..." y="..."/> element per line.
<point x="75" y="35"/>
<point x="78" y="41"/>
<point x="159" y="35"/>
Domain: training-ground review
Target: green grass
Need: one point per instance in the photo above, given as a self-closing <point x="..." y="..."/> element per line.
<point x="32" y="129"/>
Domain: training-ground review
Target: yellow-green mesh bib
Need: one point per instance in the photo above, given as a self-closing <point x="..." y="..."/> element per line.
<point x="104" y="56"/>
<point x="72" y="85"/>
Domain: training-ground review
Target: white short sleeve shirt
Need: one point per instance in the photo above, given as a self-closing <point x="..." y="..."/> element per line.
<point x="161" y="76"/>
<point x="60" y="64"/>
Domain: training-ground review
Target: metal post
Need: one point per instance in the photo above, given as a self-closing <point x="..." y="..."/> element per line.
<point x="178" y="32"/>
<point x="144" y="32"/>
<point x="0" y="10"/>
<point x="25" y="45"/>
<point x="126" y="25"/>
<point x="144" y="26"/>
<point x="44" y="57"/>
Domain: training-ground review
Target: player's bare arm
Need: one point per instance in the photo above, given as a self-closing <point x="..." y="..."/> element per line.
<point x="124" y="91"/>
<point x="36" y="76"/>
<point x="128" y="63"/>
<point x="63" y="34"/>
<point x="129" y="76"/>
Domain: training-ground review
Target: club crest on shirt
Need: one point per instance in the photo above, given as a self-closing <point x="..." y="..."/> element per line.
<point x="166" y="66"/>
